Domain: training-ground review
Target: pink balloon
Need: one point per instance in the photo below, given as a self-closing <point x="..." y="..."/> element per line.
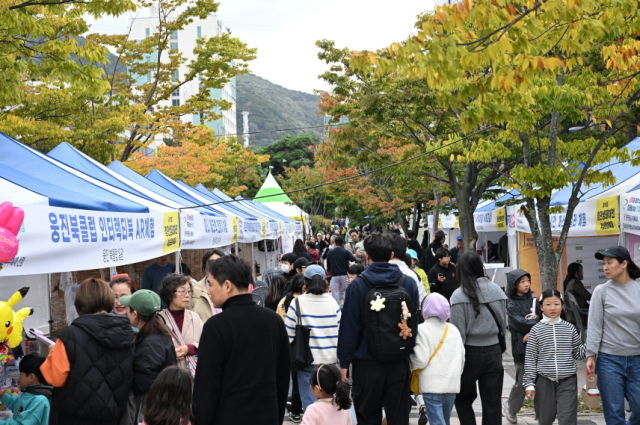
<point x="10" y="222"/>
<point x="8" y="245"/>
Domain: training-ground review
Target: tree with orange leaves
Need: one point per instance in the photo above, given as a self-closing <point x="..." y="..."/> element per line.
<point x="219" y="163"/>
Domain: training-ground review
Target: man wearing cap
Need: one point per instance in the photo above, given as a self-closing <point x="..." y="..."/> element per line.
<point x="338" y="266"/>
<point x="301" y="264"/>
<point x="457" y="249"/>
<point x="321" y="314"/>
<point x="244" y="358"/>
<point x="614" y="336"/>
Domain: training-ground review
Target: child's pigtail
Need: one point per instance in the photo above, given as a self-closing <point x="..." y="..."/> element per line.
<point x="341" y="396"/>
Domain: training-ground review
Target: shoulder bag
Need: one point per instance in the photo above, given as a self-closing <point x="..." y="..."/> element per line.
<point x="501" y="337"/>
<point x="301" y="355"/>
<point x="415" y="375"/>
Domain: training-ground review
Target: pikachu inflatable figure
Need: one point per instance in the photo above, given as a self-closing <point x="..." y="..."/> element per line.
<point x="11" y="321"/>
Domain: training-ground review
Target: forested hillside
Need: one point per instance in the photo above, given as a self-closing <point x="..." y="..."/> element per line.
<point x="273" y="107"/>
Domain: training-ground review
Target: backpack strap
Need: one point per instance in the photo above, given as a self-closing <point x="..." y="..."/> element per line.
<point x="446" y="329"/>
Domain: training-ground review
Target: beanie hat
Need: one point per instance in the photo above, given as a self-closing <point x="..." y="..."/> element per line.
<point x="435" y="305"/>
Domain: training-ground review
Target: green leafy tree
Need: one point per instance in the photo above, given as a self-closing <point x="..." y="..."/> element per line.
<point x="289" y="152"/>
<point x="531" y="71"/>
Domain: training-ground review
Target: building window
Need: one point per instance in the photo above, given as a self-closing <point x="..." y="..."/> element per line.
<point x="176" y="92"/>
<point x="175" y="102"/>
<point x="174" y="35"/>
<point x="147" y="32"/>
<point x="176" y="76"/>
<point x="173" y="45"/>
<point x="149" y="77"/>
<point x="199" y="30"/>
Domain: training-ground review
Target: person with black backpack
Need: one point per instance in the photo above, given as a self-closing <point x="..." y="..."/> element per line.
<point x="377" y="334"/>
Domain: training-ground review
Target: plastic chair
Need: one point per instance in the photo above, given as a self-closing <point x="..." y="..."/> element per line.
<point x="260" y="295"/>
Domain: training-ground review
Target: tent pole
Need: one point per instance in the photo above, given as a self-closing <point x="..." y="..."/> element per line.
<point x="253" y="263"/>
<point x="266" y="256"/>
<point x="237" y="248"/>
<point x="50" y="311"/>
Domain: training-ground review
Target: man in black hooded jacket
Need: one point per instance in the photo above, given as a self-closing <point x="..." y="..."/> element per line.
<point x="521" y="320"/>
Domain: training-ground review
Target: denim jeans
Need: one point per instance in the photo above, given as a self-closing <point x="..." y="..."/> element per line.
<point x="619" y="378"/>
<point x="306" y="396"/>
<point x="439" y="407"/>
<point x="482" y="366"/>
<point x="338" y="287"/>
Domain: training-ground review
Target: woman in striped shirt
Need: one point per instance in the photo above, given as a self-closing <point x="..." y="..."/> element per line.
<point x="550" y="370"/>
<point x="321" y="314"/>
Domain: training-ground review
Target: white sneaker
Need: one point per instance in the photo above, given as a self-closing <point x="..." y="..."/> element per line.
<point x="511" y="418"/>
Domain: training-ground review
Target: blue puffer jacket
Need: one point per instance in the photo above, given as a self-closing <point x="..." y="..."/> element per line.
<point x="517" y="309"/>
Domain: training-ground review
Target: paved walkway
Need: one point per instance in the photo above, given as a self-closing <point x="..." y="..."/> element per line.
<point x="523" y="418"/>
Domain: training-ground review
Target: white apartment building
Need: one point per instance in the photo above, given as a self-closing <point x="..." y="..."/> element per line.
<point x="144" y="26"/>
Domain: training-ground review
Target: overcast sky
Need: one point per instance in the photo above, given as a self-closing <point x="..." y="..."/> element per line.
<point x="285" y="32"/>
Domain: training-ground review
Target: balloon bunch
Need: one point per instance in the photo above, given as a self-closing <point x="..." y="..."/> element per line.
<point x="10" y="222"/>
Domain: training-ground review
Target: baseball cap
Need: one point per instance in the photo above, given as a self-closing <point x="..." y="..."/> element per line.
<point x="301" y="262"/>
<point x="459" y="237"/>
<point x="412" y="254"/>
<point x="618" y="252"/>
<point x="439" y="233"/>
<point x="314" y="270"/>
<point x="144" y="301"/>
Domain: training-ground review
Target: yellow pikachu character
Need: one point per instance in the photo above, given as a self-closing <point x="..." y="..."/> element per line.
<point x="11" y="321"/>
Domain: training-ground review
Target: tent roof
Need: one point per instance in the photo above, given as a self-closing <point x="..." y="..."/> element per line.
<point x="627" y="177"/>
<point x="271" y="187"/>
<point x="63" y="186"/>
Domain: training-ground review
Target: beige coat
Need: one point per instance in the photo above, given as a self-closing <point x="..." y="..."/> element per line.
<point x="191" y="331"/>
<point x="200" y="301"/>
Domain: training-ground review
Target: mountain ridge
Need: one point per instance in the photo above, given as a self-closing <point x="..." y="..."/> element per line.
<point x="274" y="107"/>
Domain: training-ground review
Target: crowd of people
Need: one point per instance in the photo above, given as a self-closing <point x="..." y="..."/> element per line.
<point x="361" y="333"/>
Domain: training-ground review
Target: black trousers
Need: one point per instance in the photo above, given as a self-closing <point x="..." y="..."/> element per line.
<point x="296" y="403"/>
<point x="483" y="365"/>
<point x="377" y="385"/>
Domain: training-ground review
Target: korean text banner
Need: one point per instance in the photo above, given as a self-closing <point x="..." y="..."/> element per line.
<point x="200" y="231"/>
<point x="61" y="239"/>
<point x="491" y="221"/>
<point x="630" y="213"/>
<point x="593" y="217"/>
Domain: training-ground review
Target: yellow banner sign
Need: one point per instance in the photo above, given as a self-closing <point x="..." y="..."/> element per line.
<point x="171" y="232"/>
<point x="501" y="219"/>
<point x="607" y="216"/>
<point x="264" y="228"/>
<point x="234" y="225"/>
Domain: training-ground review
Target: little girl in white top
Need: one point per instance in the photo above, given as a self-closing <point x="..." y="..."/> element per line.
<point x="332" y="394"/>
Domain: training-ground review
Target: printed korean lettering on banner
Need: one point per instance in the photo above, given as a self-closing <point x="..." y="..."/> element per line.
<point x="491" y="221"/>
<point x="447" y="221"/>
<point x="501" y="219"/>
<point x="234" y="225"/>
<point x="584" y="220"/>
<point x="62" y="239"/>
<point x="606" y="216"/>
<point x="263" y="224"/>
<point x="630" y="212"/>
<point x="273" y="229"/>
<point x="201" y="231"/>
<point x="170" y="232"/>
<point x="251" y="230"/>
<point x="297" y="227"/>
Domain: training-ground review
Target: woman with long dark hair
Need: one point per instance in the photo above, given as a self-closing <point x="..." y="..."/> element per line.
<point x="614" y="336"/>
<point x="170" y="399"/>
<point x="478" y="310"/>
<point x="299" y="248"/>
<point x="573" y="285"/>
<point x="276" y="291"/>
